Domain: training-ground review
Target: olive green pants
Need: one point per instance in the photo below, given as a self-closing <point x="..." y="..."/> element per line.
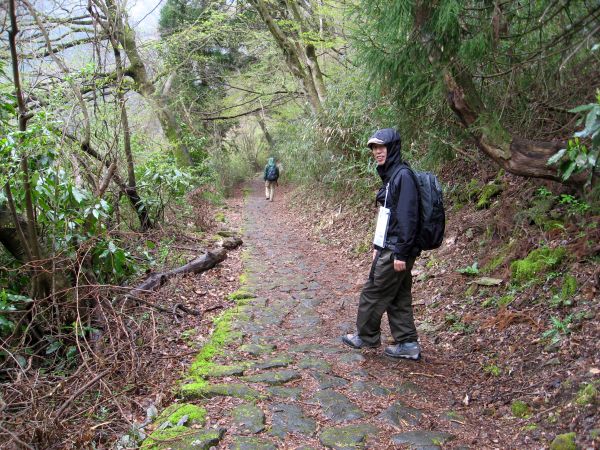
<point x="387" y="291"/>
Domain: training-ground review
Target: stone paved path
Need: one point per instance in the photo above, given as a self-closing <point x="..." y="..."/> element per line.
<point x="288" y="382"/>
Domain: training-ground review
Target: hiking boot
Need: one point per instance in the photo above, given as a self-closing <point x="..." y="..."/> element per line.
<point x="354" y="341"/>
<point x="406" y="350"/>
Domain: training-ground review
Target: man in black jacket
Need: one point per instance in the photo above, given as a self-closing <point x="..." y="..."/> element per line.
<point x="388" y="288"/>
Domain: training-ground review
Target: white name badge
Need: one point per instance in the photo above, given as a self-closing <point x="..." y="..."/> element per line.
<point x="383" y="219"/>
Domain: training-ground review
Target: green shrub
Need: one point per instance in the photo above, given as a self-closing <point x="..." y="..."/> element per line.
<point x="492" y="369"/>
<point x="470" y="270"/>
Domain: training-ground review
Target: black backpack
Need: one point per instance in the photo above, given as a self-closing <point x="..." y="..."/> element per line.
<point x="432" y="218"/>
<point x="272" y="173"/>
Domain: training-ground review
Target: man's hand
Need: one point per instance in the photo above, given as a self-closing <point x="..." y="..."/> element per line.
<point x="399" y="266"/>
<point x="374" y="254"/>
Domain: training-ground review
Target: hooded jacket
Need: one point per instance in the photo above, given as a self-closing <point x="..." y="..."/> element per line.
<point x="402" y="199"/>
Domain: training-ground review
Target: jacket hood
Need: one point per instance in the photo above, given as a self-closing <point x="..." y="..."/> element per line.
<point x="271" y="162"/>
<point x="391" y="139"/>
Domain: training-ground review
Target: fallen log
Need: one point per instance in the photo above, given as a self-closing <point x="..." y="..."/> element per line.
<point x="201" y="264"/>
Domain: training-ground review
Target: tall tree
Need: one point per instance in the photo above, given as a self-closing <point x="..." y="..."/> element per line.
<point x="118" y="24"/>
<point x="497" y="64"/>
<point x="298" y="49"/>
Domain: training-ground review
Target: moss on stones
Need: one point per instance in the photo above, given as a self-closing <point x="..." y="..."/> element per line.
<point x="488" y="192"/>
<point x="216" y="371"/>
<point x="536" y="263"/>
<point x="564" y="442"/>
<point x="221" y="335"/>
<point x="351" y="436"/>
<point x="276" y="377"/>
<point x="174" y="413"/>
<point x="251" y="443"/>
<point x="240" y="295"/>
<point x="206" y="390"/>
<point x="182" y="438"/>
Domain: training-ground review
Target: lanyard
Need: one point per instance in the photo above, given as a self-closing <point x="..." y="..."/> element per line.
<point x="387" y="186"/>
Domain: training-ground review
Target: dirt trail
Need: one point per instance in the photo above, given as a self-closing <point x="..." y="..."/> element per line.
<point x="298" y="386"/>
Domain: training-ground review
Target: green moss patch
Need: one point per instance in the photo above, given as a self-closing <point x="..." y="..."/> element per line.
<point x="487" y="194"/>
<point x="174" y="413"/>
<point x="537" y="262"/>
<point x="564" y="442"/>
<point x="182" y="438"/>
<point x="239" y="295"/>
<point x="216" y="371"/>
<point x="220" y="337"/>
<point x="206" y="390"/>
<point x="587" y="394"/>
<point x="351" y="436"/>
<point x="520" y="409"/>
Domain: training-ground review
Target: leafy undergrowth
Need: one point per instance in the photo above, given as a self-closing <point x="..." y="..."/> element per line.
<point x="107" y="391"/>
<point x="510" y="299"/>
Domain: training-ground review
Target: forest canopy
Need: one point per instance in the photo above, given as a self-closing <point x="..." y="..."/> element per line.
<point x="108" y="136"/>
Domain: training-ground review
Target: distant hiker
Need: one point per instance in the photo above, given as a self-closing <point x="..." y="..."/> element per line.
<point x="388" y="288"/>
<point x="271" y="176"/>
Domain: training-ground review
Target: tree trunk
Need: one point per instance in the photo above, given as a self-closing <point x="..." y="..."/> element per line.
<point x="293" y="57"/>
<point x="514" y="154"/>
<point x="309" y="52"/>
<point x="137" y="203"/>
<point x="263" y="127"/>
<point x="9" y="236"/>
<point x="143" y="84"/>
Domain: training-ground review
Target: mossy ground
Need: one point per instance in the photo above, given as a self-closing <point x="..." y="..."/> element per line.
<point x="520" y="409"/>
<point x="487" y="194"/>
<point x="222" y="334"/>
<point x="240" y="295"/>
<point x="160" y="439"/>
<point x="587" y="394"/>
<point x="564" y="442"/>
<point x="174" y="413"/>
<point x="537" y="262"/>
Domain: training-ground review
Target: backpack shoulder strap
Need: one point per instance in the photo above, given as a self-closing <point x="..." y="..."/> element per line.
<point x="404" y="166"/>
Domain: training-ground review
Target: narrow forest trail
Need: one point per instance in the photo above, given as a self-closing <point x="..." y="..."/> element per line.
<point x="298" y="386"/>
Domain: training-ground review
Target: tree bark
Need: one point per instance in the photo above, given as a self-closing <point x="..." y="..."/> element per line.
<point x="293" y="57"/>
<point x="309" y="52"/>
<point x="137" y="203"/>
<point x="9" y="235"/>
<point x="514" y="154"/>
<point x="41" y="284"/>
<point x="263" y="127"/>
<point x="119" y="27"/>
